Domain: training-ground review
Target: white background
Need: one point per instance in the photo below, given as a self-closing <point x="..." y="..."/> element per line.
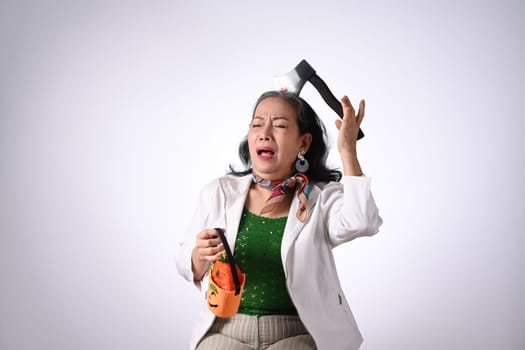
<point x="114" y="114"/>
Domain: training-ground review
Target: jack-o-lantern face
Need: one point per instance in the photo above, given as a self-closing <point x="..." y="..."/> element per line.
<point x="224" y="303"/>
<point x="213" y="298"/>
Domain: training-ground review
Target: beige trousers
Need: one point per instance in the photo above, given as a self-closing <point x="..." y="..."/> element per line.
<point x="244" y="332"/>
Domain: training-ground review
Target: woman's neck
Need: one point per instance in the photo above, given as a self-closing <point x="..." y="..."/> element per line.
<point x="257" y="197"/>
<point x="272" y="176"/>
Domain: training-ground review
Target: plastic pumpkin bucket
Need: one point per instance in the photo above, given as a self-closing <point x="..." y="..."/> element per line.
<point x="222" y="302"/>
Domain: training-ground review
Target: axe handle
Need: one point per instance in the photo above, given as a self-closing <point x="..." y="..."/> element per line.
<point x="330" y="99"/>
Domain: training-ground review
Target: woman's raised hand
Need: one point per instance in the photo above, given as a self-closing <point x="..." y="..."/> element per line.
<point x="347" y="138"/>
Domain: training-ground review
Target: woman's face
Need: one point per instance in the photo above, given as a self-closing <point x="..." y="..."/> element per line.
<point x="274" y="140"/>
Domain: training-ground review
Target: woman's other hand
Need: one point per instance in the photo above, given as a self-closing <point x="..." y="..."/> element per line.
<point x="208" y="247"/>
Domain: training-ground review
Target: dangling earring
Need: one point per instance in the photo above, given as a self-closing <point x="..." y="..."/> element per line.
<point x="301" y="164"/>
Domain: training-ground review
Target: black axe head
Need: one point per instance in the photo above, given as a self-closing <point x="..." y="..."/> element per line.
<point x="294" y="81"/>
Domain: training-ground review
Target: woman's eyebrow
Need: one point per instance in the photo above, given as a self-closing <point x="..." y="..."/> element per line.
<point x="279" y="117"/>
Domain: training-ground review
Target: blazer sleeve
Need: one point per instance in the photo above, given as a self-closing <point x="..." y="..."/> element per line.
<point x="198" y="222"/>
<point x="349" y="210"/>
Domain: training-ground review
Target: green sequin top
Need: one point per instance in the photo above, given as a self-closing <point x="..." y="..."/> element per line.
<point x="258" y="254"/>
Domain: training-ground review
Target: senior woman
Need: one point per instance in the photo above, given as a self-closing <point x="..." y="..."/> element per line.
<point x="283" y="215"/>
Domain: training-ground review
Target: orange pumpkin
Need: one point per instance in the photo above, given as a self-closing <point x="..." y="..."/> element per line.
<point x="222" y="276"/>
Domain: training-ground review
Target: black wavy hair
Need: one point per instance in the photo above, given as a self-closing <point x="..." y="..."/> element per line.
<point x="308" y="122"/>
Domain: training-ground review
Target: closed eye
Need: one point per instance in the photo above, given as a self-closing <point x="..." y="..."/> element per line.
<point x="280" y="122"/>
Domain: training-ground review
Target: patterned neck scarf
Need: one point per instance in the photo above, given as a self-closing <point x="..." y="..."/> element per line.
<point x="298" y="182"/>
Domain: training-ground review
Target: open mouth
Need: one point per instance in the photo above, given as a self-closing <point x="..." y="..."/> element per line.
<point x="265" y="151"/>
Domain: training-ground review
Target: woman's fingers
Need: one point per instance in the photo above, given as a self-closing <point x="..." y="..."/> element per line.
<point x="217" y="255"/>
<point x="209" y="244"/>
<point x="360" y="112"/>
<point x="348" y="109"/>
<point x="338" y="124"/>
<point x="207" y="233"/>
<point x="350" y="120"/>
<point x="211" y="252"/>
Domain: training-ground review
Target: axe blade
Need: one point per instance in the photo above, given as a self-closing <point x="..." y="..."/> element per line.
<point x="294" y="80"/>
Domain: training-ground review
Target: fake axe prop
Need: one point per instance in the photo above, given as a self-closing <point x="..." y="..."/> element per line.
<point x="294" y="81"/>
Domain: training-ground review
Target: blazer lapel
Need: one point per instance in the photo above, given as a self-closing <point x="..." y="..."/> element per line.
<point x="235" y="192"/>
<point x="293" y="225"/>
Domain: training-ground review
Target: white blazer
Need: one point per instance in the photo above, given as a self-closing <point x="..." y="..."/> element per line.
<point x="339" y="212"/>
